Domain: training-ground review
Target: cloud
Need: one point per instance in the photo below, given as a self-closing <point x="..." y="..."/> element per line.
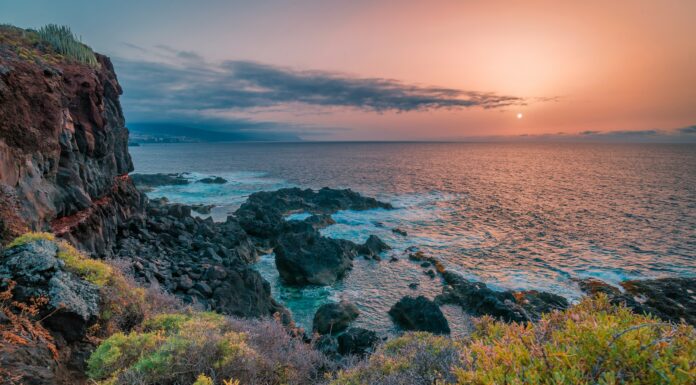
<point x="678" y="135"/>
<point x="190" y="87"/>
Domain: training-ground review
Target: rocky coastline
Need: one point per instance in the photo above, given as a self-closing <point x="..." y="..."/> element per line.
<point x="64" y="182"/>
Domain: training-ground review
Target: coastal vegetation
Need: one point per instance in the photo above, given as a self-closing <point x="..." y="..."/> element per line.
<point x="64" y="42"/>
<point x="593" y="342"/>
<point x="206" y="348"/>
<point x="147" y="338"/>
<point x="50" y="43"/>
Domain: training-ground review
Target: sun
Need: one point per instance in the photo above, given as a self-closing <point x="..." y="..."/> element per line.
<point x="519" y="115"/>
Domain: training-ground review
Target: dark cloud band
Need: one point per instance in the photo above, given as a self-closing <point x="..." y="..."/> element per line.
<point x="194" y="86"/>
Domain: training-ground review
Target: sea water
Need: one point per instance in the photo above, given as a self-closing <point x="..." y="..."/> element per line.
<point x="513" y="215"/>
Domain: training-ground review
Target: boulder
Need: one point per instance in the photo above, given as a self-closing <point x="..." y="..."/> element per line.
<point x="420" y="314"/>
<point x="73" y="303"/>
<point x="309" y="258"/>
<point x="333" y="318"/>
<point x="357" y="341"/>
<point x="373" y="247"/>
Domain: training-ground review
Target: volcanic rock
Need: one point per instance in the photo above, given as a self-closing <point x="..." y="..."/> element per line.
<point x="150" y="181"/>
<point x="357" y="341"/>
<point x="478" y="299"/>
<point x="419" y="314"/>
<point x="671" y="299"/>
<point x="333" y="318"/>
<point x="373" y="247"/>
<point x="213" y="180"/>
<point x="73" y="303"/>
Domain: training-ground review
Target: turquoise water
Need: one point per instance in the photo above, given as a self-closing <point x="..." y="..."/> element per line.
<point x="516" y="216"/>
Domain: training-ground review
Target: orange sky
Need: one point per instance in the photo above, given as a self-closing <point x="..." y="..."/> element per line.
<point x="614" y="65"/>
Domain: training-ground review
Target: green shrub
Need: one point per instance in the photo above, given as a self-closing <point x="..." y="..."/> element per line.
<point x="64" y="42"/>
<point x="172" y="348"/>
<point x="92" y="270"/>
<point x="590" y="343"/>
<point x="31" y="237"/>
<point x="177" y="348"/>
<point x="414" y="358"/>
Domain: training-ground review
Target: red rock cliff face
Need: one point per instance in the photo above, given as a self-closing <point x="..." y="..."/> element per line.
<point x="63" y="150"/>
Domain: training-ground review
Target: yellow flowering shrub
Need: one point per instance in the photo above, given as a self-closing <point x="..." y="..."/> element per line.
<point x="592" y="342"/>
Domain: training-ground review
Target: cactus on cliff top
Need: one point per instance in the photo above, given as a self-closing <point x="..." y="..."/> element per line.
<point x="61" y="38"/>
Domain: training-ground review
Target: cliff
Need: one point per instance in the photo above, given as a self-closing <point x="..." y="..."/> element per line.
<point x="63" y="145"/>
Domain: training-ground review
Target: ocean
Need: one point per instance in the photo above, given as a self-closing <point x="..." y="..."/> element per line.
<point x="513" y="215"/>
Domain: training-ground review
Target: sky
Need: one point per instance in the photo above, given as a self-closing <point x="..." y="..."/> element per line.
<point x="619" y="70"/>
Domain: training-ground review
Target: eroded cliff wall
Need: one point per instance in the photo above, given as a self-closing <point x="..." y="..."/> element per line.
<point x="63" y="146"/>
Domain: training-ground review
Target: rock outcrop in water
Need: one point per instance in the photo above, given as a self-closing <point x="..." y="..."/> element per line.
<point x="672" y="299"/>
<point x="147" y="182"/>
<point x="303" y="256"/>
<point x="263" y="212"/>
<point x="478" y="299"/>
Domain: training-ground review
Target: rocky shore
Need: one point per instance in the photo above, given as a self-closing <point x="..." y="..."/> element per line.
<point x="64" y="182"/>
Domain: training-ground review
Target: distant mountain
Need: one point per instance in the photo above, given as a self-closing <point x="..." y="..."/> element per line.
<point x="181" y="133"/>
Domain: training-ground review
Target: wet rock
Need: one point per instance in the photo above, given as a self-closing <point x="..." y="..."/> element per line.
<point x="309" y="258"/>
<point x="671" y="299"/>
<point x="262" y="214"/>
<point x="357" y="341"/>
<point x="333" y="318"/>
<point x="400" y="232"/>
<point x="420" y="314"/>
<point x="320" y="221"/>
<point x="73" y="302"/>
<point x="419" y="256"/>
<point x="478" y="299"/>
<point x="150" y="181"/>
<point x="213" y="180"/>
<point x="373" y="247"/>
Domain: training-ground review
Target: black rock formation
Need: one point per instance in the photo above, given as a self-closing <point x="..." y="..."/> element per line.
<point x="419" y="314"/>
<point x="333" y="318"/>
<point x="478" y="299"/>
<point x="671" y="299"/>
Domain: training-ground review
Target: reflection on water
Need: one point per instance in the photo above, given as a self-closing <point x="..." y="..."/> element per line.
<point x="520" y="216"/>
